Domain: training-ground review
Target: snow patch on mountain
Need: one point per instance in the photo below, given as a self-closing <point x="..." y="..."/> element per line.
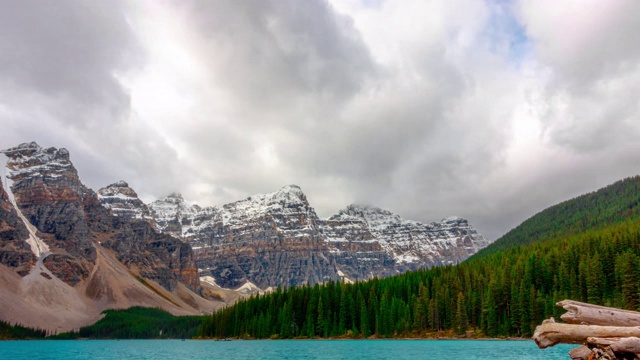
<point x="287" y="208"/>
<point x="407" y="241"/>
<point x="176" y="217"/>
<point x="37" y="245"/>
<point x="123" y="201"/>
<point x="31" y="160"/>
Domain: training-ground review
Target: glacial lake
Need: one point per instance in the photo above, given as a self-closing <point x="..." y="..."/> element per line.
<point x="285" y="349"/>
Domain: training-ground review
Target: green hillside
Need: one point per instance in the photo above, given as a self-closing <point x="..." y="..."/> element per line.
<point x="591" y="253"/>
<point x="607" y="206"/>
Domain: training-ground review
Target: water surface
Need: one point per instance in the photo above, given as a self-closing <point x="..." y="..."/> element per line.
<point x="280" y="349"/>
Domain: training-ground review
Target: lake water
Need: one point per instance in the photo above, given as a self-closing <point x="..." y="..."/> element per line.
<point x="265" y="349"/>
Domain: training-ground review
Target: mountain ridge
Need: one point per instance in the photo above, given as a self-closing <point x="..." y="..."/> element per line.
<point x="358" y="242"/>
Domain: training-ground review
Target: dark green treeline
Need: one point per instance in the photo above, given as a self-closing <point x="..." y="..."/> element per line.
<point x="138" y="323"/>
<point x="503" y="294"/>
<point x="16" y="332"/>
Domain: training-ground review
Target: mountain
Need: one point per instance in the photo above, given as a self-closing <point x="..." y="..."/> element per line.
<point x="266" y="240"/>
<point x="380" y="238"/>
<point x="278" y="239"/>
<point x="586" y="249"/>
<point x="65" y="257"/>
<point x="606" y="206"/>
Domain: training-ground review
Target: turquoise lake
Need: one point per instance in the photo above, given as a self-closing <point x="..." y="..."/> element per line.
<point x="265" y="349"/>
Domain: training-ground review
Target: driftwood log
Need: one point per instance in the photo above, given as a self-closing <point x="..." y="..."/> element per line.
<point x="552" y="333"/>
<point x="606" y="333"/>
<point x="583" y="313"/>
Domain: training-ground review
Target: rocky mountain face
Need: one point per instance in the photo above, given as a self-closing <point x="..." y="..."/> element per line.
<point x="123" y="201"/>
<point x="268" y="240"/>
<point x="15" y="252"/>
<point x="53" y="225"/>
<point x="200" y="226"/>
<point x="381" y="240"/>
<point x="277" y="239"/>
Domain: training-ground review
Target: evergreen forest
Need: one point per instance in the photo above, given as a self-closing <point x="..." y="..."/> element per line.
<point x="18" y="332"/>
<point x="138" y="323"/>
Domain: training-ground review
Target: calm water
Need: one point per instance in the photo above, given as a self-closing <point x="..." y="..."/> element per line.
<point x="296" y="349"/>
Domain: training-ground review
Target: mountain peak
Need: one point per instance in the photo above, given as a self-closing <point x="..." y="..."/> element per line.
<point x="120" y="188"/>
<point x="31" y="160"/>
<point x="120" y="183"/>
<point x="175" y="195"/>
<point x="366" y="212"/>
<point x="123" y="201"/>
<point x="291" y="188"/>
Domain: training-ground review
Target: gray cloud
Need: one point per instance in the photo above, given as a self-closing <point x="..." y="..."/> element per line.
<point x="67" y="49"/>
<point x="59" y="66"/>
<point x="425" y="111"/>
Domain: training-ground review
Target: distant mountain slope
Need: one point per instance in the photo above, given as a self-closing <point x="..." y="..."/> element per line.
<point x="611" y="204"/>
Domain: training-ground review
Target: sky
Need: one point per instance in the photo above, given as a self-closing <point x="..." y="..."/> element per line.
<point x="489" y="110"/>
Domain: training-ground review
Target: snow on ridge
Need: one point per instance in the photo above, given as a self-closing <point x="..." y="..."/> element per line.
<point x="408" y="241"/>
<point x="31" y="160"/>
<point x="288" y="200"/>
<point x="123" y="201"/>
<point x="37" y="245"/>
<point x="186" y="220"/>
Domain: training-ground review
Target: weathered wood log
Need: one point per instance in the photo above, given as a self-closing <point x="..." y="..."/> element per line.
<point x="552" y="333"/>
<point x="601" y="342"/>
<point x="627" y="345"/>
<point x="623" y="345"/>
<point x="580" y="353"/>
<point x="583" y="313"/>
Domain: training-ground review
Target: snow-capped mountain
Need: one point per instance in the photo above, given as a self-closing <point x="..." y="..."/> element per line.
<point x="123" y="201"/>
<point x="277" y="238"/>
<point x="268" y="240"/>
<point x="409" y="242"/>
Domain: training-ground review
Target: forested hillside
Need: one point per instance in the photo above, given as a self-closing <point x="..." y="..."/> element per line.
<point x="609" y="205"/>
<point x="503" y="293"/>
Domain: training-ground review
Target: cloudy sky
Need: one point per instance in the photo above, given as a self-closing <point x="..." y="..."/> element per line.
<point x="490" y="110"/>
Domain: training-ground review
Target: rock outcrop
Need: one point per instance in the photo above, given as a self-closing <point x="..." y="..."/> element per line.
<point x="199" y="226"/>
<point x="123" y="201"/>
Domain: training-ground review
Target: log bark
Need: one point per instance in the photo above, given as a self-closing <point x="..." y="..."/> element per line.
<point x="627" y="345"/>
<point x="580" y="353"/>
<point x="583" y="313"/>
<point x="551" y="333"/>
